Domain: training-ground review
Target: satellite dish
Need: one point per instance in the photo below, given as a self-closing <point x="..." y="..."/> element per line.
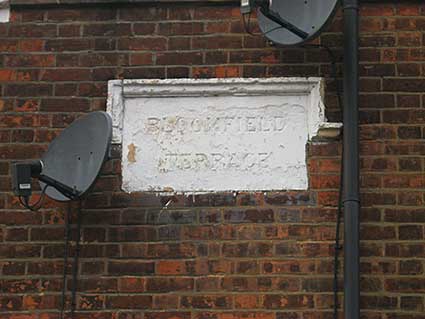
<point x="293" y="22"/>
<point x="76" y="156"/>
<point x="72" y="162"/>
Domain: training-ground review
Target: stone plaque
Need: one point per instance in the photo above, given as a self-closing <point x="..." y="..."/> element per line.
<point x="215" y="135"/>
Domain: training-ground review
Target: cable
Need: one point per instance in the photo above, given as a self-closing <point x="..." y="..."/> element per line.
<point x="340" y="193"/>
<point x="68" y="219"/>
<point x="24" y="200"/>
<point x="337" y="246"/>
<point x="76" y="258"/>
<point x="246" y="25"/>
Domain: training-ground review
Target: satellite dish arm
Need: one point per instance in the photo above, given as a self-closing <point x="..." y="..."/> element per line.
<point x="67" y="191"/>
<point x="275" y="17"/>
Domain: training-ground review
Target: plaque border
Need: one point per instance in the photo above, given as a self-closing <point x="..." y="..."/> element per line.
<point x="313" y="87"/>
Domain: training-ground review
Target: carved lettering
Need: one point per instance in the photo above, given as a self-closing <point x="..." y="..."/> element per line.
<point x="218" y="125"/>
<point x="213" y="161"/>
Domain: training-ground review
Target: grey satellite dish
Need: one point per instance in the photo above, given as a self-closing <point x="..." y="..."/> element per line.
<point x="76" y="156"/>
<point x="293" y="22"/>
<point x="71" y="164"/>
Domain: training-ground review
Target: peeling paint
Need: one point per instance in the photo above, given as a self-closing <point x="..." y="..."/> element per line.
<point x="131" y="155"/>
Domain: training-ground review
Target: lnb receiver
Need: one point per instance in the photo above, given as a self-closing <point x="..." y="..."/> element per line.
<point x="248" y="5"/>
<point x="22" y="173"/>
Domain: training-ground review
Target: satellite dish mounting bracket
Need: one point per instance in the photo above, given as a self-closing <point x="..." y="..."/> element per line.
<point x="275" y="17"/>
<point x="67" y="191"/>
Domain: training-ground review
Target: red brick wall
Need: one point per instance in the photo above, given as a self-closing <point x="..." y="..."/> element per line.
<point x="255" y="256"/>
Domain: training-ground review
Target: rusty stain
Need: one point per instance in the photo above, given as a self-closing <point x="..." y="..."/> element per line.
<point x="131" y="156"/>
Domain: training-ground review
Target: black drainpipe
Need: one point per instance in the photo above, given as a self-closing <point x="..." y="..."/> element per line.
<point x="351" y="161"/>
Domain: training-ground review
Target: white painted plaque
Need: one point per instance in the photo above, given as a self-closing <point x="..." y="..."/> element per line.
<point x="215" y="135"/>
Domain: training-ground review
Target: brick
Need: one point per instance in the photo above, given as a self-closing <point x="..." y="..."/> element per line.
<point x="217" y="42"/>
<point x="405" y="285"/>
<point x="412" y="303"/>
<point x="404" y="215"/>
<point x="13" y="268"/>
<point x="404" y="85"/>
<point x="404" y="250"/>
<point x="39" y="302"/>
<point x="132" y="284"/>
<point x="132" y="234"/>
<point x="178" y="72"/>
<point x="129" y="302"/>
<point x="33" y="30"/>
<point x="180" y="28"/>
<point x="59" y="45"/>
<point x="409" y="132"/>
<point x="249" y="216"/>
<point x="107" y="29"/>
<point x="144" y="28"/>
<point x="130" y="268"/>
<point x="66" y="75"/>
<point x="369" y="232"/>
<point x="92" y="90"/>
<point x="410" y="164"/>
<point x="174" y="217"/>
<point x="410" y="232"/>
<point x="377" y="10"/>
<point x="34" y="60"/>
<point x="136" y="13"/>
<point x="64" y="105"/>
<point x="148" y="44"/>
<point x="67" y="60"/>
<point x="167" y="315"/>
<point x="377" y="302"/>
<point x="179" y="58"/>
<point x="144" y="72"/>
<point x="166" y="285"/>
<point x="69" y="30"/>
<point x="288" y="301"/>
<point x="24" y="90"/>
<point x="410" y="267"/>
<point x="378" y="199"/>
<point x="20" y="285"/>
<point x="206" y="302"/>
<point x="406" y="100"/>
<point x="288" y="267"/>
<point x="16" y="234"/>
<point x="10" y="303"/>
<point x="410" y="199"/>
<point x="92" y="268"/>
<point x="141" y="59"/>
<point x="408" y="70"/>
<point x="23" y="136"/>
<point x="65" y="89"/>
<point x="215" y="12"/>
<point x="72" y="15"/>
<point x="21" y="151"/>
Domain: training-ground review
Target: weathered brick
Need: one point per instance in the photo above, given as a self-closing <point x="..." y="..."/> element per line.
<point x="130" y="268"/>
<point x="129" y="302"/>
